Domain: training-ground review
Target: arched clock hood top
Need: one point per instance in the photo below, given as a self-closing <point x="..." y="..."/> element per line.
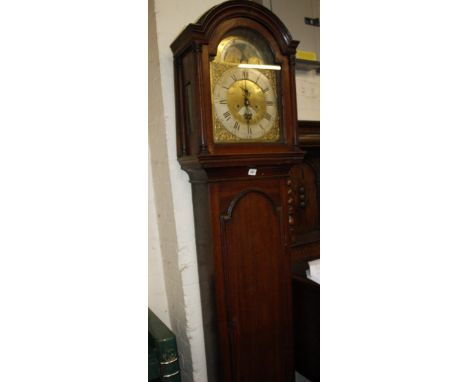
<point x="203" y="29"/>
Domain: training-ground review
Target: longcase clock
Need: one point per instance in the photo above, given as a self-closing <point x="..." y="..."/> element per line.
<point x="236" y="138"/>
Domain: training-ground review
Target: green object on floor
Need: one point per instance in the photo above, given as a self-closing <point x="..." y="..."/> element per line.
<point x="163" y="358"/>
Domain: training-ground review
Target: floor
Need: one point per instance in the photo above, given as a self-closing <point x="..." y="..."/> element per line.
<point x="300" y="378"/>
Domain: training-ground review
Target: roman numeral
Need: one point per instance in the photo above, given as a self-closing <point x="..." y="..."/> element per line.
<point x="266" y="90"/>
<point x="269" y="103"/>
<point x="249" y="130"/>
<point x="227" y="115"/>
<point x="245" y="74"/>
<point x="236" y="126"/>
<point x="233" y="76"/>
<point x="261" y="126"/>
<point x="268" y="116"/>
<point x="223" y="102"/>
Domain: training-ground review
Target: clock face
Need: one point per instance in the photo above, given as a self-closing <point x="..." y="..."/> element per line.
<point x="244" y="91"/>
<point x="244" y="102"/>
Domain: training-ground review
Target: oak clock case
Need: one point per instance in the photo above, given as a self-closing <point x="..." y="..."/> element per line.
<point x="236" y="138"/>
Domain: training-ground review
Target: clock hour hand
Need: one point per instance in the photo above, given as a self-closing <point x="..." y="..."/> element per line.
<point x="246" y="92"/>
<point x="247" y="113"/>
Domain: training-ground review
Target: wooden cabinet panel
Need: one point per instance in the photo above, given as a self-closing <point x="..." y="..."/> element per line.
<point x="305" y="195"/>
<point x="304" y="207"/>
<point x="254" y="267"/>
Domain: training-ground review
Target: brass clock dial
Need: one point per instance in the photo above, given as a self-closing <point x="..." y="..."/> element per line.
<point x="244" y="92"/>
<point x="244" y="102"/>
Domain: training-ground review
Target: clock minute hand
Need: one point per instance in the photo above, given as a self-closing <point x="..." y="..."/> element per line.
<point x="245" y="90"/>
<point x="247" y="113"/>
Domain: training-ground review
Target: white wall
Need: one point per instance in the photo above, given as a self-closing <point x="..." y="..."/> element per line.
<point x="292" y="13"/>
<point x="175" y="250"/>
<point x="157" y="295"/>
<point x="308" y="95"/>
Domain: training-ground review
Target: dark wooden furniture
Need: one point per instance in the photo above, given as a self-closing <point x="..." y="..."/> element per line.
<point x="304" y="200"/>
<point x="304" y="184"/>
<point x="240" y="201"/>
<point x="306" y="311"/>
